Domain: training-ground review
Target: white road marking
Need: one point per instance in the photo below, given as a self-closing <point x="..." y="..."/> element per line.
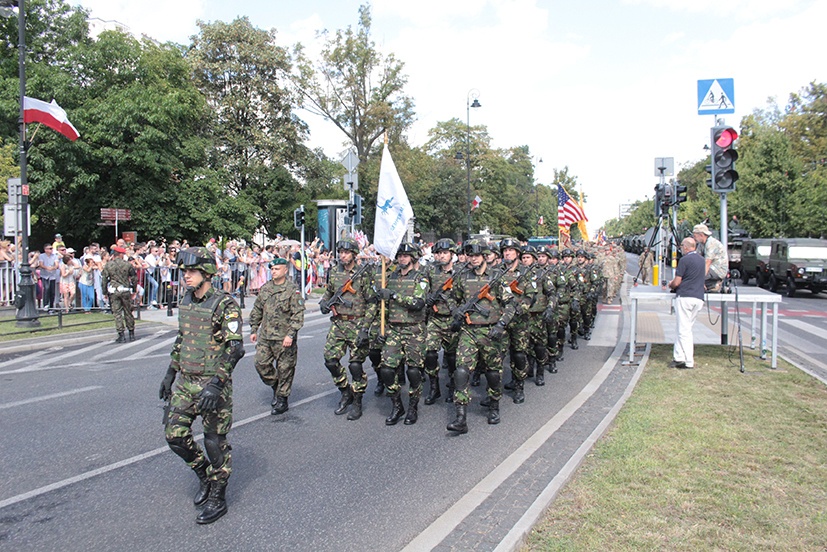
<point x="49" y="397"/>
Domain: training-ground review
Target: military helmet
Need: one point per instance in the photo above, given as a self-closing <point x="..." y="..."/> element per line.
<point x="567" y="253"/>
<point x="530" y="250"/>
<point x="554" y="253"/>
<point x="543" y="250"/>
<point x="581" y="253"/>
<point x="348" y="244"/>
<point x="494" y="247"/>
<point x="408" y="248"/>
<point x="197" y="258"/>
<point x="445" y="244"/>
<point x="476" y="247"/>
<point x="511" y="243"/>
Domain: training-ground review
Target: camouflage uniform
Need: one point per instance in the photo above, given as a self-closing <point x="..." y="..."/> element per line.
<point x="118" y="280"/>
<point x="576" y="291"/>
<point x="355" y="314"/>
<point x="278" y="312"/>
<point x="438" y="333"/>
<point x="540" y="309"/>
<point x="481" y="333"/>
<point x="524" y="290"/>
<point x="405" y="336"/>
<point x="205" y="327"/>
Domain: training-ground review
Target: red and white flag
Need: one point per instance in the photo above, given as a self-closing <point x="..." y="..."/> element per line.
<point x="542" y="221"/>
<point x="476" y="203"/>
<point x="51" y="115"/>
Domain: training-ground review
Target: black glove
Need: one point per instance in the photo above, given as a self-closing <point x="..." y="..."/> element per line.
<point x="497" y="331"/>
<point x="548" y="315"/>
<point x="210" y="395"/>
<point x="431" y="299"/>
<point x="456" y="324"/>
<point x="362" y="338"/>
<point x="381" y="339"/>
<point x="166" y="386"/>
<point x="385" y="294"/>
<point x="324" y="306"/>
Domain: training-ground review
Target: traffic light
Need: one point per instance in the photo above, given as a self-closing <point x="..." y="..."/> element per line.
<point x="298" y="217"/>
<point x="357" y="209"/>
<point x="724" y="156"/>
<point x="666" y="198"/>
<point x="680" y="194"/>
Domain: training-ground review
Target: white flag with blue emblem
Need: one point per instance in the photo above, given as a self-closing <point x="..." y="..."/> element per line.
<point x="393" y="210"/>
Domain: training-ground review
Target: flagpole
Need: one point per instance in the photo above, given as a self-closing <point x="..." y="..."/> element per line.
<point x="382" y="280"/>
<point x="25" y="297"/>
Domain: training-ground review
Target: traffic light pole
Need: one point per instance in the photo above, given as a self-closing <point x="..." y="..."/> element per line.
<point x="724" y="241"/>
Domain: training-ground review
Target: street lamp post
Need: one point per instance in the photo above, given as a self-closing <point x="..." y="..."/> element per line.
<point x="475" y="94"/>
<point x="25" y="299"/>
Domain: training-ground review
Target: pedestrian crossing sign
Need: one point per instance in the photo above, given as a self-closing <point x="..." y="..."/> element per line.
<point x="716" y="96"/>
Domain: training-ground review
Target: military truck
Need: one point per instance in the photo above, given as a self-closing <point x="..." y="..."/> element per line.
<point x="755" y="254"/>
<point x="798" y="263"/>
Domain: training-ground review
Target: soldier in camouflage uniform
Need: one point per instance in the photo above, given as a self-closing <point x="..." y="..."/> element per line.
<point x="543" y="301"/>
<point x="275" y="321"/>
<point x="551" y="313"/>
<point x="576" y="291"/>
<point x="349" y="296"/>
<point x="439" y="304"/>
<point x="588" y="280"/>
<point x="482" y="330"/>
<point x="524" y="291"/>
<point x="564" y="283"/>
<point x="207" y="348"/>
<point x="405" y="294"/>
<point x="118" y="281"/>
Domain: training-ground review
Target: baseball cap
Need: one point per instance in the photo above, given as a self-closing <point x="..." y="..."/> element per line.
<point x="118" y="249"/>
<point x="70" y="250"/>
<point x="701" y="229"/>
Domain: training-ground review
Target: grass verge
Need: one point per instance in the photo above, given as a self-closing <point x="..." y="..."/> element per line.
<point x="703" y="459"/>
<point x="75" y="322"/>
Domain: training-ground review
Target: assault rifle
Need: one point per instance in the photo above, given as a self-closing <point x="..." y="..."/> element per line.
<point x="472" y="305"/>
<point x="438" y="294"/>
<point x="338" y="298"/>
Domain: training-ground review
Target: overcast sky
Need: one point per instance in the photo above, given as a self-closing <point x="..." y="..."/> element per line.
<point x="601" y="86"/>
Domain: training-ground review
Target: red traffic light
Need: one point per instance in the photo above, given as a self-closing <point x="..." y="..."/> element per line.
<point x="725" y="137"/>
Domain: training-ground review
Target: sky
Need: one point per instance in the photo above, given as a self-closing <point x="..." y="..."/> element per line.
<point x="602" y="87"/>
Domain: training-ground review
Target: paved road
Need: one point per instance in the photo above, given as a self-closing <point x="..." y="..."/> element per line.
<point x="85" y="465"/>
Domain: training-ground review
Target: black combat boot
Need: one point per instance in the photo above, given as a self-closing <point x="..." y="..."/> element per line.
<point x="494" y="412"/>
<point x="216" y="506"/>
<point x="552" y="365"/>
<point x="345" y="401"/>
<point x="131" y="335"/>
<point x="573" y="341"/>
<point x="204" y="483"/>
<point x="397" y="410"/>
<point x="356" y="412"/>
<point x="433" y="392"/>
<point x="449" y="397"/>
<point x="380" y="387"/>
<point x="280" y="406"/>
<point x="530" y="371"/>
<point x="413" y="408"/>
<point x="475" y="378"/>
<point x="486" y="402"/>
<point x="540" y="378"/>
<point x="459" y="425"/>
<point x="121" y="338"/>
<point x="519" y="394"/>
<point x="588" y="335"/>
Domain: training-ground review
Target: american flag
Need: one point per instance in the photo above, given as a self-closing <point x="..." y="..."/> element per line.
<point x="568" y="211"/>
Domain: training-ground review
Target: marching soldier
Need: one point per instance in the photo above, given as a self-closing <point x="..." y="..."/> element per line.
<point x="405" y="294"/>
<point x="349" y="296"/>
<point x="440" y="303"/>
<point x="540" y="309"/>
<point x="484" y="312"/>
<point x="208" y="346"/>
<point x="119" y="280"/>
<point x="575" y="291"/>
<point x="524" y="290"/>
<point x="275" y="321"/>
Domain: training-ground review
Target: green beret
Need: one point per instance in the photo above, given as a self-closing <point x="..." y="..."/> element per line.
<point x="277" y="261"/>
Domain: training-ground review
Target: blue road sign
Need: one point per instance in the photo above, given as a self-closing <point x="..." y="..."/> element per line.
<point x="716" y="96"/>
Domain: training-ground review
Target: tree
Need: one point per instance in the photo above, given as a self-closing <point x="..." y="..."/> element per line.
<point x="356" y="87"/>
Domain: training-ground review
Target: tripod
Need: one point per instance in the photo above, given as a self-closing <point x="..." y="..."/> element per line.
<point x="653" y="241"/>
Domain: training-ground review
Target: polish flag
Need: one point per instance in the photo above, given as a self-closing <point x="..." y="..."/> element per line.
<point x="542" y="221"/>
<point x="51" y="115"/>
<point x="476" y="203"/>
